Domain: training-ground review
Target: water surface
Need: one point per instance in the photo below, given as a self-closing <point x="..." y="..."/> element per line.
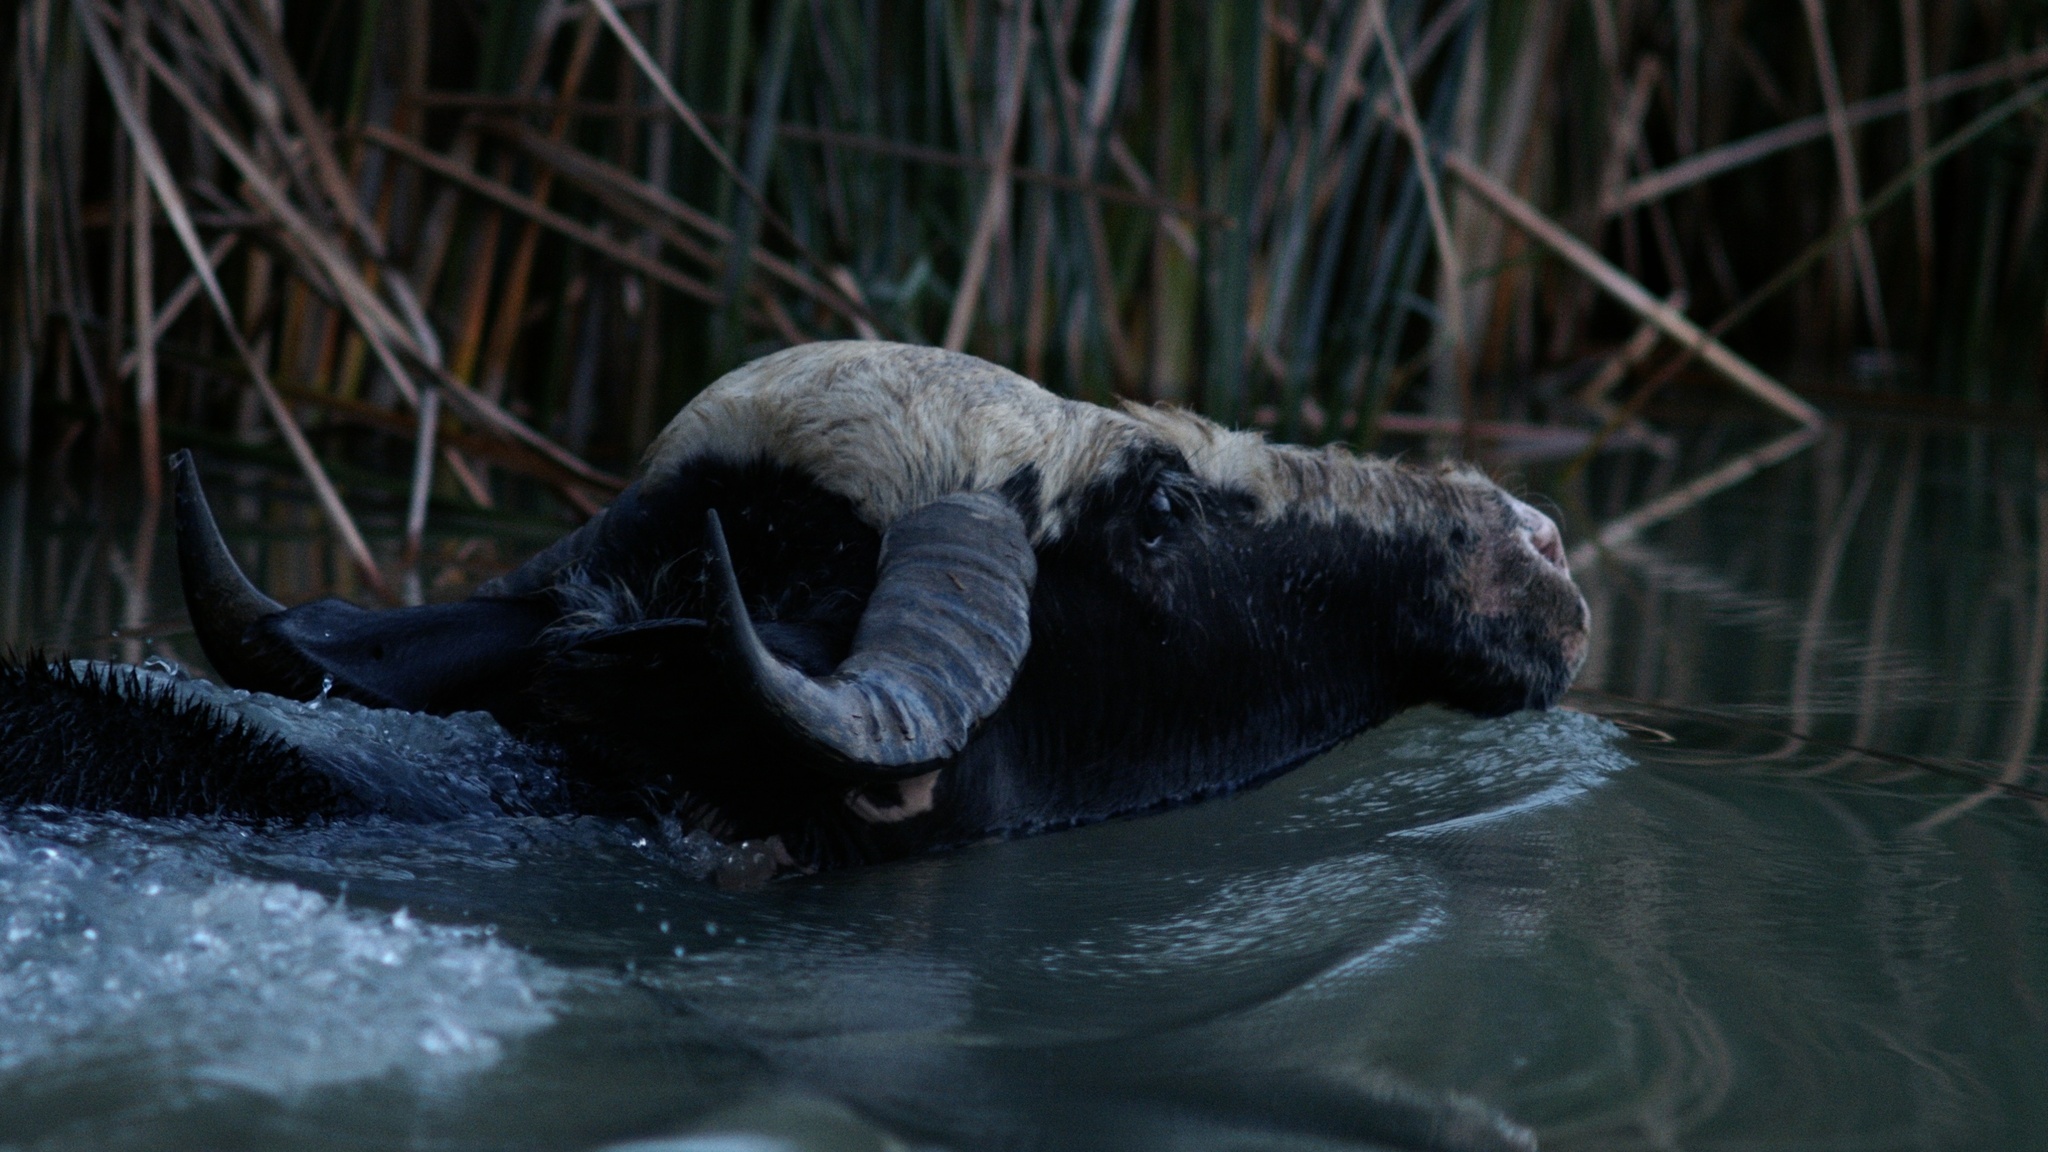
<point x="1750" y="890"/>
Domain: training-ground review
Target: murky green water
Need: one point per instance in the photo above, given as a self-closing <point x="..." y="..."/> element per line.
<point x="1660" y="920"/>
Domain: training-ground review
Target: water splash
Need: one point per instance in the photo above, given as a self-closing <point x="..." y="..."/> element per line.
<point x="115" y="945"/>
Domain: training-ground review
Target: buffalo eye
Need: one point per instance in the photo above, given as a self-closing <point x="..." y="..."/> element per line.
<point x="1156" y="518"/>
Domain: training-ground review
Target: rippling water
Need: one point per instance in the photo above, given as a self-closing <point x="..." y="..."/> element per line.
<point x="1654" y="920"/>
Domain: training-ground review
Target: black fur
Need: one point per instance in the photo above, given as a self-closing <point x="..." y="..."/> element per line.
<point x="1182" y="647"/>
<point x="649" y="724"/>
<point x="1187" y="651"/>
<point x="1180" y="650"/>
<point x="110" y="740"/>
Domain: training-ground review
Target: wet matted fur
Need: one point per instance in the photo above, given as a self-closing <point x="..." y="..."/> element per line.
<point x="100" y="737"/>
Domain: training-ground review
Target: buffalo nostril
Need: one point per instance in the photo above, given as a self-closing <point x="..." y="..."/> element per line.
<point x="1541" y="533"/>
<point x="1549" y="544"/>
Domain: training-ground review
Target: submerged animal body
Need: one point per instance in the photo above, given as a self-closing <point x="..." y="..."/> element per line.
<point x="869" y="600"/>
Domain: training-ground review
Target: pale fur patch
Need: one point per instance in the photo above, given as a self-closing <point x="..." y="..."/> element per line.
<point x="1324" y="484"/>
<point x="892" y="427"/>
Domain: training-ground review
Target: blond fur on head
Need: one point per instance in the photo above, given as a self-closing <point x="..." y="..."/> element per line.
<point x="892" y="427"/>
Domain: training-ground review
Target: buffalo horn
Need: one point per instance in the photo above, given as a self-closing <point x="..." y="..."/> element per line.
<point x="935" y="653"/>
<point x="224" y="606"/>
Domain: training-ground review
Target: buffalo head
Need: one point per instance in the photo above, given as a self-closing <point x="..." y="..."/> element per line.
<point x="871" y="599"/>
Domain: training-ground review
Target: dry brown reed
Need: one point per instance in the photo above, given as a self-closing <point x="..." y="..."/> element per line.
<point x="483" y="247"/>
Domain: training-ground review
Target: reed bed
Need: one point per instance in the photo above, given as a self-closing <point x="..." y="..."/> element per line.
<point x="480" y="251"/>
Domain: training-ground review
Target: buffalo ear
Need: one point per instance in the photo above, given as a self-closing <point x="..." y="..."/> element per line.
<point x="642" y="638"/>
<point x="938" y="646"/>
<point x="438" y="658"/>
<point x="469" y="655"/>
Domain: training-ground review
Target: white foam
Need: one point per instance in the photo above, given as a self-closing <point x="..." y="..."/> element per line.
<point x="131" y="948"/>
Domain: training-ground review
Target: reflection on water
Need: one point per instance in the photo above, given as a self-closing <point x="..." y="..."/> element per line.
<point x="1889" y="593"/>
<point x="1777" y="883"/>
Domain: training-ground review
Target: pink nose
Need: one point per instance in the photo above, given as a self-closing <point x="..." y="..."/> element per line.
<point x="1541" y="533"/>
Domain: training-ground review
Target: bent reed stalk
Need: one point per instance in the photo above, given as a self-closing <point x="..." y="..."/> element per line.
<point x="562" y="220"/>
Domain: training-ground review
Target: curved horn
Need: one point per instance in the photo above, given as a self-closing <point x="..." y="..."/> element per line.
<point x="937" y="647"/>
<point x="223" y="604"/>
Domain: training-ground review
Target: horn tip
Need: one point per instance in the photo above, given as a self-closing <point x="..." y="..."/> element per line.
<point x="184" y="471"/>
<point x="219" y="598"/>
<point x="726" y="584"/>
<point x="185" y="486"/>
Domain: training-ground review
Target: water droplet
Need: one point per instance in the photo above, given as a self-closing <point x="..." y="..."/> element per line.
<point x="664" y="927"/>
<point x="711" y="927"/>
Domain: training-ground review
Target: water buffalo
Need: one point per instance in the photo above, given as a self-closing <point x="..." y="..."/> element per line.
<point x="868" y="600"/>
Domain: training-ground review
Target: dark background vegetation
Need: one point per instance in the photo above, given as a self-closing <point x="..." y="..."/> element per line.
<point x="487" y="211"/>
